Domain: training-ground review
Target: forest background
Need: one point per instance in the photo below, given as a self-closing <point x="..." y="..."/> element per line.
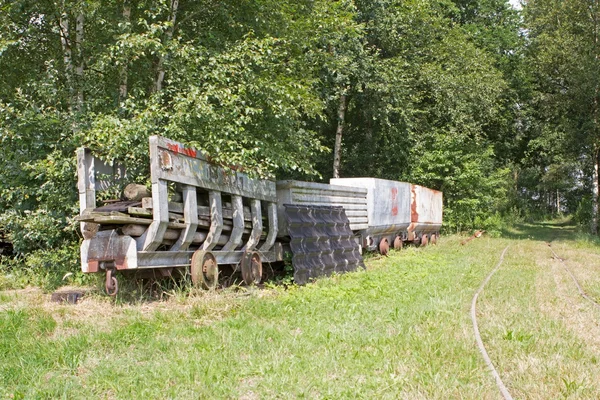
<point x="494" y="106"/>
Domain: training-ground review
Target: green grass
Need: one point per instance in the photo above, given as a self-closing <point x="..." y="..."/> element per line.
<point x="399" y="330"/>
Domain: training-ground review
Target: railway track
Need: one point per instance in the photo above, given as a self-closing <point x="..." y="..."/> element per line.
<point x="582" y="292"/>
<point x="505" y="393"/>
<point x="501" y="386"/>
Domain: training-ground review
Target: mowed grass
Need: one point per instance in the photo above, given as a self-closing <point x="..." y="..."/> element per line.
<point x="401" y="329"/>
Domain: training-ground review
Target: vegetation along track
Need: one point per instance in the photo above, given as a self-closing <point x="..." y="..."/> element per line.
<point x="486" y="357"/>
<point x="579" y="288"/>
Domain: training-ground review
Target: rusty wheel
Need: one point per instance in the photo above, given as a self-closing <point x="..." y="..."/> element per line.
<point x="384" y="247"/>
<point x="433" y="239"/>
<point x="205" y="270"/>
<point x="398" y="243"/>
<point x="251" y="268"/>
<point x="424" y="240"/>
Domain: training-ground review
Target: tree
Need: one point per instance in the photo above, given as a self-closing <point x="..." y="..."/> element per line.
<point x="565" y="54"/>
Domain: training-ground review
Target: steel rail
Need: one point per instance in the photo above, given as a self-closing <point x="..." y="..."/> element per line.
<point x="582" y="292"/>
<point x="482" y="350"/>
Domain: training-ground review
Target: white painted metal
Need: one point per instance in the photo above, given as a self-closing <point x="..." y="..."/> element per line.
<point x="426" y="210"/>
<point x="388" y="203"/>
<point x="216" y="220"/>
<point x="257" y="225"/>
<point x="176" y="163"/>
<point x="272" y="235"/>
<point x="190" y="215"/>
<point x="154" y="235"/>
<point x="238" y="223"/>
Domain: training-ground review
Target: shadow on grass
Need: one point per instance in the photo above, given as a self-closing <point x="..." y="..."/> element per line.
<point x="547" y="231"/>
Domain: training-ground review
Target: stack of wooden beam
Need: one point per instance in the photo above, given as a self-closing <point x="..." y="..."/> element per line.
<point x="132" y="218"/>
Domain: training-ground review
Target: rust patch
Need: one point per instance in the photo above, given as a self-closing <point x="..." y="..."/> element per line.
<point x="476" y="235"/>
<point x="394" y="201"/>
<point x="166" y="162"/>
<point x="94" y="264"/>
<point x="414" y="215"/>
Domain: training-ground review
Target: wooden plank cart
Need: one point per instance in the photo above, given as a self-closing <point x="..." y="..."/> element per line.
<point x="218" y="221"/>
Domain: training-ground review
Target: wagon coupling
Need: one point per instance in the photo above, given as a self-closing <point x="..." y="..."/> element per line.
<point x="111" y="285"/>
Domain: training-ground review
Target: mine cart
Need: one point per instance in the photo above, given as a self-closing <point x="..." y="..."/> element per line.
<point x="199" y="216"/>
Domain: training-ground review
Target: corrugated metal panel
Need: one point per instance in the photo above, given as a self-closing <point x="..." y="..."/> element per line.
<point x="352" y="199"/>
<point x="321" y="241"/>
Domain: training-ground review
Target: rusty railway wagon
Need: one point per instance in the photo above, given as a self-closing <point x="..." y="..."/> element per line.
<point x="202" y="218"/>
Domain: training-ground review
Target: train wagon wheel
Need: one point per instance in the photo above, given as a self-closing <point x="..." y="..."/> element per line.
<point x="398" y="243"/>
<point x="205" y="270"/>
<point x="251" y="268"/>
<point x="424" y="240"/>
<point x="384" y="247"/>
<point x="434" y="238"/>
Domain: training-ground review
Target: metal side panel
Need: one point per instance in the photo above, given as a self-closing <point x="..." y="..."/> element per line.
<point x="321" y="241"/>
<point x="174" y="162"/>
<point x="352" y="199"/>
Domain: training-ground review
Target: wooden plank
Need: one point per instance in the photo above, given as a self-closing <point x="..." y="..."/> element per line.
<point x="203" y="211"/>
<point x="144" y="212"/>
<point x="120" y="220"/>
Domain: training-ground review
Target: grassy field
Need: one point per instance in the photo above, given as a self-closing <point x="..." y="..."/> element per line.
<point x="401" y="329"/>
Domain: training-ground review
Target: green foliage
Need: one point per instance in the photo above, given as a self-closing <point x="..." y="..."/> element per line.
<point x="437" y="93"/>
<point x="583" y="214"/>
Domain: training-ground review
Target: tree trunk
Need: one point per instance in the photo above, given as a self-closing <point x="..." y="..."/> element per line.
<point x="557" y="201"/>
<point x="123" y="71"/>
<point x="65" y="42"/>
<point x="160" y="76"/>
<point x="595" y="188"/>
<point x="79" y="23"/>
<point x="337" y="150"/>
<point x="595" y="191"/>
<point x="135" y="192"/>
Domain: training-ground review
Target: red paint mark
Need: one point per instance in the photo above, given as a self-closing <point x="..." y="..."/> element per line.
<point x="176" y="148"/>
<point x="394" y="201"/>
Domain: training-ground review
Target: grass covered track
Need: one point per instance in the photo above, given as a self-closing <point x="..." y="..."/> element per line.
<point x="402" y="329"/>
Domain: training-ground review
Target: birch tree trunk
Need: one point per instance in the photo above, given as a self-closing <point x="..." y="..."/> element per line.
<point x="594" y="227"/>
<point x="123" y="72"/>
<point x="160" y="76"/>
<point x="65" y="42"/>
<point x="79" y="24"/>
<point x="337" y="150"/>
<point x="595" y="188"/>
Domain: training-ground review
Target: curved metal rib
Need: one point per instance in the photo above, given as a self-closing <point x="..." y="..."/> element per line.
<point x="190" y="216"/>
<point x="154" y="234"/>
<point x="272" y="235"/>
<point x="257" y="225"/>
<point x="238" y="224"/>
<point x="216" y="220"/>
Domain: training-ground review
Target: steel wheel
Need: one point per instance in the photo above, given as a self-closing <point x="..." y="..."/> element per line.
<point x="398" y="243"/>
<point x="434" y="238"/>
<point x="424" y="240"/>
<point x="205" y="270"/>
<point x="251" y="268"/>
<point x="384" y="247"/>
